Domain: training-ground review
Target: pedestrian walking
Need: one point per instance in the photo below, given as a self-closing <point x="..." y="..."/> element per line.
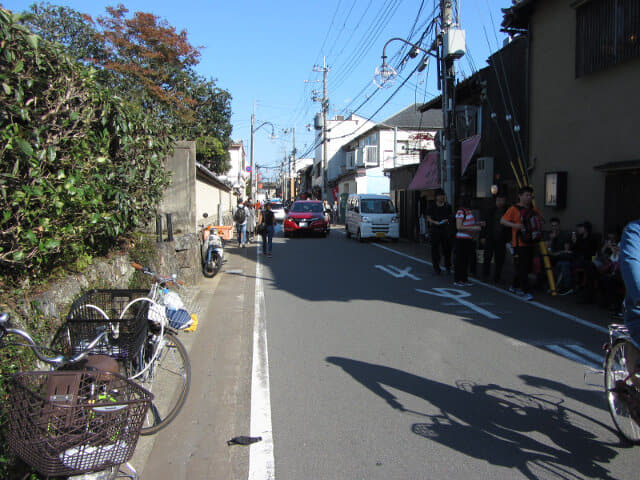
<point x="466" y="228"/>
<point x="251" y="220"/>
<point x="520" y="218"/>
<point x="240" y="219"/>
<point x="439" y="218"/>
<point x="334" y="213"/>
<point x="267" y="223"/>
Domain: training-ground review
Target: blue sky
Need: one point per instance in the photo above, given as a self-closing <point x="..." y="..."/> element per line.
<point x="264" y="51"/>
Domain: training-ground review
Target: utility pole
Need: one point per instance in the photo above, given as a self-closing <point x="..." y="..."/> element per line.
<point x="325" y="111"/>
<point x="251" y="175"/>
<point x="292" y="157"/>
<point x="448" y="75"/>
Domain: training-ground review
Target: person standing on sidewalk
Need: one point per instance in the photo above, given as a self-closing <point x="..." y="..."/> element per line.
<point x="251" y="220"/>
<point x="523" y="250"/>
<point x="240" y="218"/>
<point x="438" y="218"/>
<point x="268" y="222"/>
<point x="467" y="227"/>
<point x="495" y="239"/>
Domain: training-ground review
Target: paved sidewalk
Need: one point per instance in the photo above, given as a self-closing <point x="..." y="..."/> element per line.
<point x="217" y="407"/>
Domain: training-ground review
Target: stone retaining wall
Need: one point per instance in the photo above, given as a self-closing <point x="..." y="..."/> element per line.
<point x="182" y="257"/>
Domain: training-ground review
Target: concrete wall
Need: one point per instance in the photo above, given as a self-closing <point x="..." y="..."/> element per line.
<point x="214" y="201"/>
<point x="180" y="197"/>
<point x="577" y="123"/>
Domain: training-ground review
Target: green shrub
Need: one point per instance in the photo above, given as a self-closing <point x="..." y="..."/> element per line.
<point x="79" y="166"/>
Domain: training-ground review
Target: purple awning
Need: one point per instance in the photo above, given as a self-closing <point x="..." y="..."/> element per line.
<point x="468" y="148"/>
<point x="428" y="174"/>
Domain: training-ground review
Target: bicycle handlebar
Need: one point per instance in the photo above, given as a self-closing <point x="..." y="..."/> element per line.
<point x="161" y="280"/>
<point x="58" y="360"/>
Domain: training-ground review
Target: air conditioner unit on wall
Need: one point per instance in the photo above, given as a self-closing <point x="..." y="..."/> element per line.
<point x="484" y="177"/>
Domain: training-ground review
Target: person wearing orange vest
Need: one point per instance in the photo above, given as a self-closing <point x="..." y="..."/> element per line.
<point x="523" y="251"/>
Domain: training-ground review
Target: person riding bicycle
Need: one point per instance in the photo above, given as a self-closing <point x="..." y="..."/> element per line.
<point x="630" y="270"/>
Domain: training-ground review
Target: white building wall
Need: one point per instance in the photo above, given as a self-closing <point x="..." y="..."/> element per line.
<point x="237" y="159"/>
<point x="341" y="132"/>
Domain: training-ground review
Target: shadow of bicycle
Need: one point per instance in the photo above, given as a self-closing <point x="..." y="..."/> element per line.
<point x="531" y="432"/>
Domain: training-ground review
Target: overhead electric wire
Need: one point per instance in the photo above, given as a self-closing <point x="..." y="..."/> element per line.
<point x="367" y="41"/>
<point x="508" y="87"/>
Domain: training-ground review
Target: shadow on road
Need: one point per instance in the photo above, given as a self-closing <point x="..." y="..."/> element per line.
<point x="531" y="432"/>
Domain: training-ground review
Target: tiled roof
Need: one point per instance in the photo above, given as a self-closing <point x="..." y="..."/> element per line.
<point x="412" y="118"/>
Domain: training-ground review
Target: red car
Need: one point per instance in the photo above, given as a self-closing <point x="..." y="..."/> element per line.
<point x="306" y="216"/>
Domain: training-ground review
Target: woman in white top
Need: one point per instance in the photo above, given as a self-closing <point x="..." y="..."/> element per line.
<point x="466" y="227"/>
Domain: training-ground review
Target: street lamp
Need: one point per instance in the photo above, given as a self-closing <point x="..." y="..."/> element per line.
<point x="385" y="75"/>
<point x="254" y="129"/>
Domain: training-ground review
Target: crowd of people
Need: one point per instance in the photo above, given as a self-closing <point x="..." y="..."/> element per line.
<point x="580" y="261"/>
<point x="253" y="219"/>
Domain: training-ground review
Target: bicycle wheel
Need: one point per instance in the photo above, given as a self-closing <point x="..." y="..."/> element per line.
<point x="168" y="378"/>
<point x="616" y="369"/>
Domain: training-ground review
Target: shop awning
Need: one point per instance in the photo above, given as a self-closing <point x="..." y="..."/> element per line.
<point x="428" y="174"/>
<point x="468" y="148"/>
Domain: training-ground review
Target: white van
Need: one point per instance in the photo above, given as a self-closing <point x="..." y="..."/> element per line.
<point x="371" y="216"/>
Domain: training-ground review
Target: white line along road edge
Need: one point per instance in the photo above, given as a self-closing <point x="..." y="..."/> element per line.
<point x="261" y="460"/>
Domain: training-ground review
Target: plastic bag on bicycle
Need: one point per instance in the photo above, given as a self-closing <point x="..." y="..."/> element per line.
<point x="179" y="319"/>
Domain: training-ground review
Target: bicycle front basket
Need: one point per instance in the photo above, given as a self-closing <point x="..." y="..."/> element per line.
<point x="97" y="309"/>
<point x="70" y="422"/>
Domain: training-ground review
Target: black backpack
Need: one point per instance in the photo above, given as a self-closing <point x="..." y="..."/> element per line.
<point x="532" y="225"/>
<point x="240" y="215"/>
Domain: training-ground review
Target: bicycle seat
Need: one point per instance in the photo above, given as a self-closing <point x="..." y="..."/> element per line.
<point x="103" y="363"/>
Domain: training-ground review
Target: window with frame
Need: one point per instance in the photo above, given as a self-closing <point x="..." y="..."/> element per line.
<point x="607" y="33"/>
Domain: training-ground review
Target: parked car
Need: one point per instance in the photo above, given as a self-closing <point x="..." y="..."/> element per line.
<point x="371" y="216"/>
<point x="306" y="216"/>
<point x="278" y="211"/>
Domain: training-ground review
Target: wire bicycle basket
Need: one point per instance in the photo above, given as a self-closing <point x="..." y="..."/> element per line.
<point x="73" y="422"/>
<point x="115" y="310"/>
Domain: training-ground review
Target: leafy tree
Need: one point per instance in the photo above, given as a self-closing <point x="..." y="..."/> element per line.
<point x="64" y="25"/>
<point x="213" y="154"/>
<point x="212" y="127"/>
<point x="145" y="60"/>
<point x="151" y="61"/>
<point x="80" y="167"/>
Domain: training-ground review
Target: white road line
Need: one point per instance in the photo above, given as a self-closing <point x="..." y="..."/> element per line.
<point x="458" y="296"/>
<point x="261" y="459"/>
<point x="587" y="353"/>
<point x="562" y="351"/>
<point x="568" y="316"/>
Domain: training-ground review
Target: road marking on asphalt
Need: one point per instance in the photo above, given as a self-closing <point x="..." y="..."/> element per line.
<point x="555" y="311"/>
<point x="397" y="272"/>
<point x="458" y="295"/>
<point x="578" y="354"/>
<point x="261" y="459"/>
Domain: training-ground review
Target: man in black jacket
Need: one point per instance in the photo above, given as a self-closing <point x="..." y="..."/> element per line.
<point x="439" y="222"/>
<point x="494" y="238"/>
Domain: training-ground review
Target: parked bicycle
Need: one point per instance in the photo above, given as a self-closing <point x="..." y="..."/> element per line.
<point x="145" y="326"/>
<point x="622" y="383"/>
<point x="82" y="417"/>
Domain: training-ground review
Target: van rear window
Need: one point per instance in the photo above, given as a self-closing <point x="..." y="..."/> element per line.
<point x="376" y="206"/>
